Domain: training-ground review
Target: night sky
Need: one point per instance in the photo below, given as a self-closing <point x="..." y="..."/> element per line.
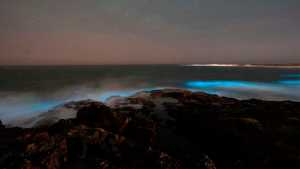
<point x="39" y="32"/>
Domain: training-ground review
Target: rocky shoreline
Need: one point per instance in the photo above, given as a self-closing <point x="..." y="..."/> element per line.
<point x="167" y="129"/>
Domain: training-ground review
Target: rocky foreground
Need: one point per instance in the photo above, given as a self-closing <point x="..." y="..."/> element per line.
<point x="167" y="129"/>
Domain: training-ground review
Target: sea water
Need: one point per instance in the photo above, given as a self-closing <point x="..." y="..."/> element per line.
<point x="27" y="91"/>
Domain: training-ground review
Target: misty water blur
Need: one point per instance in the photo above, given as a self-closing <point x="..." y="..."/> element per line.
<point x="28" y="91"/>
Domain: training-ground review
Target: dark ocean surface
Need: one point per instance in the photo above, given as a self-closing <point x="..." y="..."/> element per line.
<point x="30" y="90"/>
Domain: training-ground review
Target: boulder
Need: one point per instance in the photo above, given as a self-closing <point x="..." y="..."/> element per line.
<point x="97" y="114"/>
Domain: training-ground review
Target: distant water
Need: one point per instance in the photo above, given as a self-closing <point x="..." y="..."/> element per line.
<point x="29" y="90"/>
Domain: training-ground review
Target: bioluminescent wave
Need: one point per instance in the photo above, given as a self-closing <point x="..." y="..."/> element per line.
<point x="44" y="90"/>
<point x="229" y="84"/>
<point x="246" y="89"/>
<point x="295" y="83"/>
<point x="23" y="108"/>
<point x="27" y="106"/>
<point x="43" y="106"/>
<point x="292" y="75"/>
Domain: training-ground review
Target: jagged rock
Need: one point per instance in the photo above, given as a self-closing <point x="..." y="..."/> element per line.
<point x="98" y="115"/>
<point x="167" y="129"/>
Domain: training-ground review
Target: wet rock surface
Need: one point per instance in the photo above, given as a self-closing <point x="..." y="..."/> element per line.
<point x="167" y="129"/>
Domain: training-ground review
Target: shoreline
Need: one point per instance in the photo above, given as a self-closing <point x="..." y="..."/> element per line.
<point x="167" y="128"/>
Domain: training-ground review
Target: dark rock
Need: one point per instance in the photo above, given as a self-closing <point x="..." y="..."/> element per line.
<point x="167" y="129"/>
<point x="98" y="115"/>
<point x="1" y="125"/>
<point x="10" y="148"/>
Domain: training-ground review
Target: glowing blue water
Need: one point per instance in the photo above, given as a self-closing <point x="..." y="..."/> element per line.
<point x="43" y="106"/>
<point x="277" y="90"/>
<point x="292" y="75"/>
<point x="295" y="83"/>
<point x="227" y="84"/>
<point x="46" y="87"/>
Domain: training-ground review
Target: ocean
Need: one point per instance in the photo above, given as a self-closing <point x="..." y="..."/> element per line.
<point x="27" y="91"/>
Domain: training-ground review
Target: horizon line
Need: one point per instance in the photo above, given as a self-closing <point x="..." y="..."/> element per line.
<point x="186" y="64"/>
